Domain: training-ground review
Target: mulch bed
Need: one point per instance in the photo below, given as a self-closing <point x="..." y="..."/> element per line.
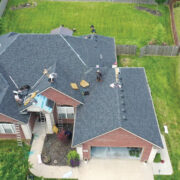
<point x="151" y="11"/>
<point x="56" y="150"/>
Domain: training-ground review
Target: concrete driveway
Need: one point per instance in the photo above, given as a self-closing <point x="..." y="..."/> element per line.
<point x="114" y="169"/>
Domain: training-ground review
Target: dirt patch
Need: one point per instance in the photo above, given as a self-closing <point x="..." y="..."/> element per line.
<point x="151" y="11"/>
<point x="25" y="5"/>
<point x="125" y="61"/>
<point x="56" y="150"/>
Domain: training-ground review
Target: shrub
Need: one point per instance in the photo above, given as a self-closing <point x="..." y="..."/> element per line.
<point x="177" y="4"/>
<point x="160" y="1"/>
<point x="159" y="34"/>
<point x="73" y="158"/>
<point x="157" y="158"/>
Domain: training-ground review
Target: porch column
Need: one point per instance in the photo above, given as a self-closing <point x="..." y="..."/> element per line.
<point x="80" y="152"/>
<point x="152" y="155"/>
<point x="27" y="131"/>
<point x="49" y="123"/>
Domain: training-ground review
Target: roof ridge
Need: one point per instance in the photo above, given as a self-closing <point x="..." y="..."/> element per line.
<point x="73" y="50"/>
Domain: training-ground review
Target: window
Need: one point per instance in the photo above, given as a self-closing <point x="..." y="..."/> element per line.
<point x="6" y="128"/>
<point x="65" y="112"/>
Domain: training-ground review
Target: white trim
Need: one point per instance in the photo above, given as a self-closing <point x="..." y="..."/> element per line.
<point x="75" y="111"/>
<point x="112" y="131"/>
<point x="27" y="131"/>
<point x="65" y="110"/>
<point x="13" y="119"/>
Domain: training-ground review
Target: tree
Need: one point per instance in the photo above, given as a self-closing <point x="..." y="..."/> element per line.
<point x="160" y="1"/>
<point x="159" y="34"/>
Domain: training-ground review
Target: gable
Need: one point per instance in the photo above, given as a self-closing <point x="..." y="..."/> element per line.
<point x="59" y="98"/>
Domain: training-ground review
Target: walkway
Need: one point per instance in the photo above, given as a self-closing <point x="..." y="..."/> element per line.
<point x="166" y="167"/>
<point x="95" y="169"/>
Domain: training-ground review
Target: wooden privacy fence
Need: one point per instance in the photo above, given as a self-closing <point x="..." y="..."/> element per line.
<point x="126" y="49"/>
<point x="159" y="50"/>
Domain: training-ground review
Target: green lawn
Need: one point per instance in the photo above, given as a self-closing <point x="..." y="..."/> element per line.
<point x="122" y="21"/>
<point x="177" y="20"/>
<point x="14" y="161"/>
<point x="163" y="76"/>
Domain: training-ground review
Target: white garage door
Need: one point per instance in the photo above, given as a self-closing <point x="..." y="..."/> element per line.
<point x="116" y="152"/>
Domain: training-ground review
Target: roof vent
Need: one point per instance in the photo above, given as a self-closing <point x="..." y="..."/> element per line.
<point x="101" y="56"/>
<point x="113" y="85"/>
<point x="122" y="96"/>
<point x="85" y="93"/>
<point x="123" y="110"/>
<point x="122" y="102"/>
<point x="124" y="118"/>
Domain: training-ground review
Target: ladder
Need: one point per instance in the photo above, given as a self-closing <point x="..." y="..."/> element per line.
<point x="18" y="135"/>
<point x="60" y="124"/>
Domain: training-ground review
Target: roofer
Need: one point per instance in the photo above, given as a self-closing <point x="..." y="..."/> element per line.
<point x="99" y="75"/>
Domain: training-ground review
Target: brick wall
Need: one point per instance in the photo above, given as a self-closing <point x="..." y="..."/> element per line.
<point x="118" y="138"/>
<point x="59" y="98"/>
<point x="5" y="119"/>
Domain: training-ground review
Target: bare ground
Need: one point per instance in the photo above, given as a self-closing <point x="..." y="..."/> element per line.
<point x="56" y="150"/>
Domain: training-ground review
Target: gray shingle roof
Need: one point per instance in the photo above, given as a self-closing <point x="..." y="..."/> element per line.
<point x="25" y="56"/>
<point x="103" y="110"/>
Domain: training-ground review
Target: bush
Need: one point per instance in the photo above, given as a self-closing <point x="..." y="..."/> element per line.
<point x="177" y="4"/>
<point x="157" y="158"/>
<point x="159" y="34"/>
<point x="73" y="158"/>
<point x="160" y="1"/>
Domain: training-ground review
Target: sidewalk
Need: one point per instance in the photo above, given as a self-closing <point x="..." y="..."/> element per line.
<point x="166" y="167"/>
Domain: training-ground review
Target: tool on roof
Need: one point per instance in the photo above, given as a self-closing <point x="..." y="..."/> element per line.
<point x="14" y="82"/>
<point x="84" y="84"/>
<point x="29" y="98"/>
<point x="118" y="83"/>
<point x="74" y="86"/>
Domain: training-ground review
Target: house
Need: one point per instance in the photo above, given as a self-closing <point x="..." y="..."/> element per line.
<point x="75" y="80"/>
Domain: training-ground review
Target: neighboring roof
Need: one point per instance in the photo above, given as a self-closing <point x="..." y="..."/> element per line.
<point x="62" y="30"/>
<point x="25" y="56"/>
<point x="107" y="109"/>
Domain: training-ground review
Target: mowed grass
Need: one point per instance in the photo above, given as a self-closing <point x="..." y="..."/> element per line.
<point x="177" y="20"/>
<point x="122" y="21"/>
<point x="163" y="76"/>
<point x="15" y="167"/>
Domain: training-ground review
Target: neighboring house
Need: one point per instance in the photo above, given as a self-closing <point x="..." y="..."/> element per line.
<point x="111" y="118"/>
